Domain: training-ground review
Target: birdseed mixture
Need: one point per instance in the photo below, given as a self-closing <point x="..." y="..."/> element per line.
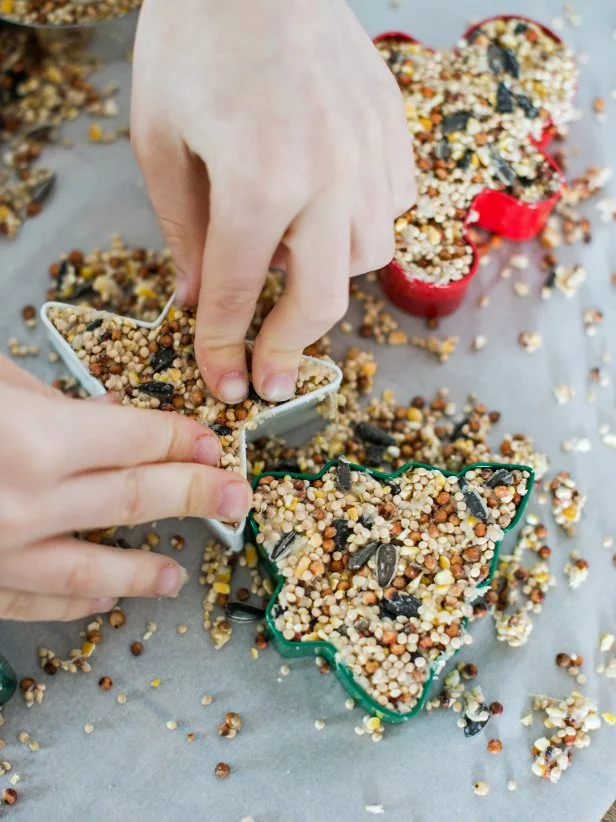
<point x="41" y="87"/>
<point x="475" y="115"/>
<point x="131" y="282"/>
<point x="567" y="502"/>
<point x="571" y="721"/>
<point x="65" y="12"/>
<point x="385" y="570"/>
<point x="157" y="369"/>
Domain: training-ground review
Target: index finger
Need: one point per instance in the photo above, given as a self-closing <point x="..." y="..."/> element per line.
<point x="235" y="265"/>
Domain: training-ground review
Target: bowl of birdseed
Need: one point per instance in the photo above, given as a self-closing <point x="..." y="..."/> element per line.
<point x="377" y="572"/>
<point x="65" y="13"/>
<point x="480" y="116"/>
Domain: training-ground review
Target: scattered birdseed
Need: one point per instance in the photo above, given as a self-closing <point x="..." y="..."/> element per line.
<point x="571" y="720"/>
<point x="136" y="648"/>
<point x="567" y="502"/>
<point x="9" y="796"/>
<point x="606" y="642"/>
<point x="530" y="341"/>
<point x="207" y="699"/>
<point x="481" y="788"/>
<point x="512" y="785"/>
<point x="375" y="809"/>
<point x="171" y="725"/>
<point x="580" y="446"/>
<point x="105" y="683"/>
<point x="88" y="728"/>
<point x="563" y="393"/>
<point x="182" y="629"/>
<point x="479" y="342"/>
<point x="285" y="670"/>
<point x="121" y="698"/>
<point x="319" y="724"/>
<point x="576" y="569"/>
<point x="222" y="770"/>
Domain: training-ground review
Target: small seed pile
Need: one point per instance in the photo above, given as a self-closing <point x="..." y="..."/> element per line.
<point x="385" y="571"/>
<point x="576" y="569"/>
<point x="567" y="502"/>
<point x="571" y="721"/>
<point x="132" y="282"/>
<point x="65" y="12"/>
<point x="40" y="88"/>
<point x="157" y="369"/>
<point x="474" y="114"/>
<point x="517" y="592"/>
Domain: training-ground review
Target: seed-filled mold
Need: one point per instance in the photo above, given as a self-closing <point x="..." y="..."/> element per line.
<point x="156" y="368"/>
<point x="479" y="116"/>
<point x="380" y="579"/>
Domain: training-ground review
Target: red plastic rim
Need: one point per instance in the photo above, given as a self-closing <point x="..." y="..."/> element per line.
<point x="496" y="211"/>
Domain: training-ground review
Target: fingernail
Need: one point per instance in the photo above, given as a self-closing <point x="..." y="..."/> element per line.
<point x="181" y="289"/>
<point x="103" y="605"/>
<point x="170" y="581"/>
<point x="232" y="387"/>
<point x="279" y="386"/>
<point x="207" y="450"/>
<point x="234" y="501"/>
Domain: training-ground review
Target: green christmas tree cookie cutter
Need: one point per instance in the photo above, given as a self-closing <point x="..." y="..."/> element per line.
<point x="322" y="648"/>
<point x="8" y="681"/>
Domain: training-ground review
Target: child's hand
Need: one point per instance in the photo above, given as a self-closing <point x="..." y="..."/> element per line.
<point x="267" y="129"/>
<point x="71" y="465"/>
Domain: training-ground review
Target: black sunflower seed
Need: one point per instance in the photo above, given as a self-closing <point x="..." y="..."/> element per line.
<point x="463" y="483"/>
<point x="521" y="28"/>
<point x="343" y="475"/>
<point x="394" y="488"/>
<point x="473" y="726"/>
<point x="443" y="150"/>
<point x="124" y="544"/>
<point x="283" y="546"/>
<point x="551" y="279"/>
<point x="504" y="99"/>
<point x="502" y="61"/>
<point x="242" y="612"/>
<point x="458" y="430"/>
<point x="503" y="170"/>
<point x="525" y="182"/>
<point x="371" y="433"/>
<point x="343" y="532"/>
<point x="288" y="466"/>
<point x="42" y="190"/>
<point x="160" y="390"/>
<point x="163" y="359"/>
<point x="361" y="556"/>
<point x="527" y="106"/>
<point x="455" y="122"/>
<point x="365" y="521"/>
<point x="465" y="159"/>
<point x="94" y="324"/>
<point x="500" y="477"/>
<point x="252" y="393"/>
<point x="221" y="430"/>
<point x="475" y="505"/>
<point x="401" y="604"/>
<point x="474" y="34"/>
<point x="40" y="133"/>
<point x="386" y="563"/>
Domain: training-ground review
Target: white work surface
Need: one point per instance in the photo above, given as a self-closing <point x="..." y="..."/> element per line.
<point x="283" y="769"/>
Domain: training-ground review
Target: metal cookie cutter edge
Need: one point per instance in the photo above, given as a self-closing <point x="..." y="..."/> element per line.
<point x="273" y="421"/>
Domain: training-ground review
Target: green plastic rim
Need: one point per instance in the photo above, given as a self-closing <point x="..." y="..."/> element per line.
<point x="8" y="681"/>
<point x="325" y="649"/>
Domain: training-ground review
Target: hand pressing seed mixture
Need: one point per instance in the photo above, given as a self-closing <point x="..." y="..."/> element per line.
<point x="157" y="369"/>
<point x="476" y="115"/>
<point x="385" y="570"/>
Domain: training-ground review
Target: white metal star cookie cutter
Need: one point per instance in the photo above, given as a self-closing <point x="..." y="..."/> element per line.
<point x="274" y="421"/>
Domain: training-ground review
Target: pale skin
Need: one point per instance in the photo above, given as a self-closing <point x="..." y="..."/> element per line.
<point x="268" y="132"/>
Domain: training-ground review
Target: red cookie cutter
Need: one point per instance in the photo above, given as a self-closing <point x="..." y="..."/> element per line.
<point x="493" y="210"/>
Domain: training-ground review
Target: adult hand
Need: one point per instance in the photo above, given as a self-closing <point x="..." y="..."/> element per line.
<point x="267" y="129"/>
<point x="71" y="465"/>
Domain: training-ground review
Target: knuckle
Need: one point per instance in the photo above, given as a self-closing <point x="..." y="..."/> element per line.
<point x="17" y="605"/>
<point x="133" y="497"/>
<point x="15" y="519"/>
<point x="79" y="578"/>
<point x="238" y="298"/>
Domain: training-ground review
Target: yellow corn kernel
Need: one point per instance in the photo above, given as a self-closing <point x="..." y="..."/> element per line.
<point x="444" y="563"/>
<point x="353" y="513"/>
<point x="373" y="724"/>
<point x="222" y="587"/>
<point x="255" y="653"/>
<point x="133" y="378"/>
<point x="302" y="566"/>
<point x="290" y="502"/>
<point x="171" y="314"/>
<point x="609" y="718"/>
<point x="87" y="272"/>
<point x="425" y="123"/>
<point x="414" y="415"/>
<point x="251" y="556"/>
<point x="155" y="683"/>
<point x="368" y="369"/>
<point x="7" y="6"/>
<point x="144" y="292"/>
<point x="471" y="520"/>
<point x="95" y="133"/>
<point x="570" y="512"/>
<point x="318" y="493"/>
<point x="87" y="648"/>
